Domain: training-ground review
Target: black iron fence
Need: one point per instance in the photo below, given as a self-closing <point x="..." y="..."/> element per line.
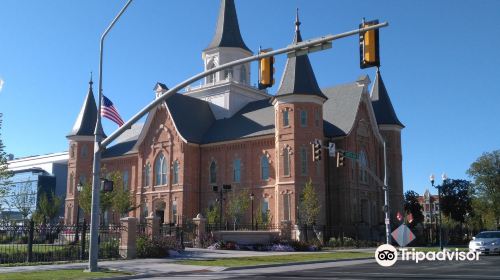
<point x="52" y="243"/>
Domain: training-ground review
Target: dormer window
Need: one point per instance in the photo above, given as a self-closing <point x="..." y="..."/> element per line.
<point x="228" y="74"/>
<point x="211" y="78"/>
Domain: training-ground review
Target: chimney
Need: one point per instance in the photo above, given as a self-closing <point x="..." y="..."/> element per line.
<point x="160" y="89"/>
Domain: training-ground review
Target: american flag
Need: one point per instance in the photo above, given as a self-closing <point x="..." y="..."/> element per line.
<point x="109" y="111"/>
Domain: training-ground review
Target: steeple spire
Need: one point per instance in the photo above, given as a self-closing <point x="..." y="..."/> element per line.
<point x="298" y="77"/>
<point x="382" y="105"/>
<point x="86" y="120"/>
<point x="227" y="32"/>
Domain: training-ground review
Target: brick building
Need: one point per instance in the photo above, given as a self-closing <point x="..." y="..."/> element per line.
<point x="430" y="207"/>
<point x="229" y="132"/>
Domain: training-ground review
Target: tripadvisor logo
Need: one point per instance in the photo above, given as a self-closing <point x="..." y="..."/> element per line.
<point x="387" y="255"/>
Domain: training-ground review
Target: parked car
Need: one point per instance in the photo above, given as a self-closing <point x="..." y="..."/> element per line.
<point x="487" y="242"/>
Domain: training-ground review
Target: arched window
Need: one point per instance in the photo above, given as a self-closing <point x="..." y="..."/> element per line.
<point x="264" y="167"/>
<point x="213" y="172"/>
<point x="161" y="170"/>
<point x="363" y="165"/>
<point x="236" y="170"/>
<point x="147" y="174"/>
<point x="175" y="173"/>
<point x="243" y="75"/>
<point x="286" y="162"/>
<point x="210" y="78"/>
<point x="228" y="74"/>
<point x="125" y="180"/>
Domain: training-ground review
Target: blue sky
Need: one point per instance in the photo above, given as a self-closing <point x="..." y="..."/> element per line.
<point x="439" y="62"/>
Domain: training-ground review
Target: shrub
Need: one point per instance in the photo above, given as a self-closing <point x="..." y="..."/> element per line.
<point x="156" y="247"/>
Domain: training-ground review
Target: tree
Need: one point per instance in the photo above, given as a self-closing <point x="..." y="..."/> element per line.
<point x="24" y="200"/>
<point x="122" y="201"/>
<point x="212" y="214"/>
<point x="455" y="200"/>
<point x="238" y="205"/>
<point x="411" y="206"/>
<point x="5" y="174"/>
<point x="485" y="172"/>
<point x="48" y="207"/>
<point x="309" y="204"/>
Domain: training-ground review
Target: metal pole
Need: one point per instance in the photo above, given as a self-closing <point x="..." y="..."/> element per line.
<point x="440" y="221"/>
<point x="290" y="49"/>
<point x="252" y="213"/>
<point x="386" y="201"/>
<point x="94" y="216"/>
<point x="220" y="209"/>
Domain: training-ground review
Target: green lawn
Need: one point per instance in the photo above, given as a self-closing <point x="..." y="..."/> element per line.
<point x="73" y="274"/>
<point x="37" y="248"/>
<point x="250" y="261"/>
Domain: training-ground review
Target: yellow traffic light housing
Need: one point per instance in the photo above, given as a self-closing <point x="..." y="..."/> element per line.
<point x="340" y="159"/>
<point x="266" y="70"/>
<point x="369" y="46"/>
<point x="316" y="147"/>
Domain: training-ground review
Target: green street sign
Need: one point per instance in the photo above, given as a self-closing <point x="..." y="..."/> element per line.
<point x="350" y="155"/>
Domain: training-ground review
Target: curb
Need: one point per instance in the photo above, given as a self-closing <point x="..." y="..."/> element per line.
<point x="291" y="264"/>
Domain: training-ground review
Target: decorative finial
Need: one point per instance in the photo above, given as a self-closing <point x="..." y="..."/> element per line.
<point x="91" y="83"/>
<point x="297" y="21"/>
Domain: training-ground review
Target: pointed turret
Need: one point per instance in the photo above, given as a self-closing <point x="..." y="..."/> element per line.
<point x="227" y="32"/>
<point x="382" y="105"/>
<point x="298" y="77"/>
<point x="86" y="120"/>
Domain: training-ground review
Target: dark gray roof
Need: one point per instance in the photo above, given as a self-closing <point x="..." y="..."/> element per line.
<point x="227" y="32"/>
<point x="255" y="119"/>
<point x="86" y="120"/>
<point x="339" y="111"/>
<point x="192" y="116"/>
<point x="124" y="144"/>
<point x="382" y="105"/>
<point x="298" y="77"/>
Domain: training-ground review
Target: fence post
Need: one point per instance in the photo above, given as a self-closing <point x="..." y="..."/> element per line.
<point x="31" y="229"/>
<point x="84" y="237"/>
<point x="128" y="238"/>
<point x="153" y="226"/>
<point x="200" y="223"/>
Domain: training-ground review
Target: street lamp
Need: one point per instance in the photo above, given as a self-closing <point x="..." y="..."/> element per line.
<point x="251" y="199"/>
<point x="79" y="188"/>
<point x="432" y="179"/>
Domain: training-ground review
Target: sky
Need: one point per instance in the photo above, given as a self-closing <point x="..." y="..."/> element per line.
<point x="439" y="63"/>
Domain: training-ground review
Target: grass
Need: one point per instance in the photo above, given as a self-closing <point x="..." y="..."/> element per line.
<point x="73" y="274"/>
<point x="37" y="248"/>
<point x="280" y="259"/>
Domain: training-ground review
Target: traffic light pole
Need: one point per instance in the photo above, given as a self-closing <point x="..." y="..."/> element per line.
<point x="386" y="201"/>
<point x="301" y="48"/>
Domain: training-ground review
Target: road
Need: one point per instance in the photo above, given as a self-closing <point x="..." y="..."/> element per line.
<point x="488" y="267"/>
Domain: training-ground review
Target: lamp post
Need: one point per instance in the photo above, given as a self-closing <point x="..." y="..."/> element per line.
<point x="432" y="179"/>
<point x="251" y="199"/>
<point x="79" y="188"/>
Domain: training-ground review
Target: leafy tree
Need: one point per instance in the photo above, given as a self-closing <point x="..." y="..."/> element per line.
<point x="412" y="206"/>
<point x="485" y="172"/>
<point x="5" y="174"/>
<point x="238" y="205"/>
<point x="309" y="204"/>
<point x="122" y="201"/>
<point x="48" y="207"/>
<point x="212" y="214"/>
<point x="262" y="219"/>
<point x="455" y="199"/>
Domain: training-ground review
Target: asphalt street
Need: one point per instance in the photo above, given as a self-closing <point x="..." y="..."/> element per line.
<point x="488" y="267"/>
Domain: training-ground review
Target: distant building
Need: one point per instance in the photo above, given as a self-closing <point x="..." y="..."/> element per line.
<point x="227" y="131"/>
<point x="33" y="176"/>
<point x="430" y="207"/>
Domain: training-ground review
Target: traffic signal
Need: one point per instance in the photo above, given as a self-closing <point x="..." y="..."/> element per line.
<point x="316" y="151"/>
<point x="106" y="185"/>
<point x="368" y="46"/>
<point x="266" y="70"/>
<point x="340" y="159"/>
<point x="226" y="187"/>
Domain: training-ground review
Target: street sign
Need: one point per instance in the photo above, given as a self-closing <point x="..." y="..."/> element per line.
<point x="350" y="155"/>
<point x="331" y="149"/>
<point x="387" y="222"/>
<point x="403" y="235"/>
